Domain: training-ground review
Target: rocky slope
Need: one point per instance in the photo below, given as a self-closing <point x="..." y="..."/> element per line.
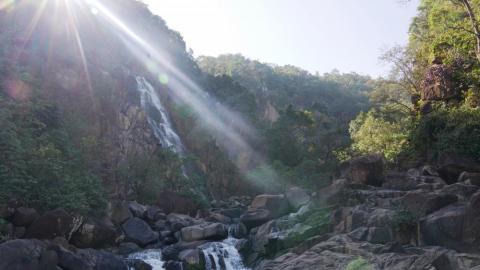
<point x="371" y="219"/>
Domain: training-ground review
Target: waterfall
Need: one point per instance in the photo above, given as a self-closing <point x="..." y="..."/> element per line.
<point x="152" y="257"/>
<point x="158" y="117"/>
<point x="223" y="255"/>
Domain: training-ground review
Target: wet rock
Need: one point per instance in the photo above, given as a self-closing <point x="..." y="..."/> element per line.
<point x="192" y="258"/>
<point x="24" y="217"/>
<point x="297" y="197"/>
<point x="471" y="178"/>
<point x="366" y="170"/>
<point x="138" y="231"/>
<point x="254" y="218"/>
<point x="139" y="265"/>
<point x="101" y="260"/>
<point x="173" y="265"/>
<point x="461" y="190"/>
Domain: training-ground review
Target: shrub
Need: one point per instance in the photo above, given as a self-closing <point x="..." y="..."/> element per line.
<point x="359" y="264"/>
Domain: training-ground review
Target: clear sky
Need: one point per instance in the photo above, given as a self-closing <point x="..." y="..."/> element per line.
<point x="317" y="35"/>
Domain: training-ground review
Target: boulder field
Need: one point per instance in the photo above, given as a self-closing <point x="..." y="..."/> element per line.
<point x="371" y="218"/>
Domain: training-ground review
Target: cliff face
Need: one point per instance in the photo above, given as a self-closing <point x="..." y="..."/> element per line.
<point x="85" y="59"/>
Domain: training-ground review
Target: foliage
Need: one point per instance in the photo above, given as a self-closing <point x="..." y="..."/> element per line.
<point x="404" y="220"/>
<point x="372" y="134"/>
<point x="454" y="130"/>
<point x="39" y="165"/>
<point x="359" y="264"/>
<point x="3" y="230"/>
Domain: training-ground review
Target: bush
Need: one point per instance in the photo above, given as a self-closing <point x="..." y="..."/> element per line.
<point x="359" y="264"/>
<point x="372" y="134"/>
<point x="454" y="130"/>
<point x="39" y="164"/>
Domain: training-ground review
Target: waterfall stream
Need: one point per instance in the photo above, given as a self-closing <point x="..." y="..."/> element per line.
<point x="158" y="117"/>
<point x="223" y="255"/>
<point x="152" y="257"/>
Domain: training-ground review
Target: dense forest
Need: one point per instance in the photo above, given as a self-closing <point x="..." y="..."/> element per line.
<point x="112" y="133"/>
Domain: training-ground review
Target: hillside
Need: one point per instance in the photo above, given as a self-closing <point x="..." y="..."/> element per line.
<point x="121" y="150"/>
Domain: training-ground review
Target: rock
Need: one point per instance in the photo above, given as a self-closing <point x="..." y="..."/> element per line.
<point x="120" y="212"/>
<point x="437" y="84"/>
<point x="137" y="209"/>
<point x="154" y="214"/>
<point x="19" y="232"/>
<point x="297" y="197"/>
<point x="22" y="255"/>
<point x="137" y="231"/>
<point x="428" y="170"/>
<point x="217" y="217"/>
<point x="139" y="265"/>
<point x="192" y="258"/>
<point x="421" y="203"/>
<point x="172" y="202"/>
<point x="56" y="223"/>
<point x="444" y="227"/>
<point x="375" y="235"/>
<point x="234" y="212"/>
<point x="101" y="260"/>
<point x="451" y="166"/>
<point x="472" y="221"/>
<point x="159" y="225"/>
<point x="214" y="231"/>
<point x="178" y="221"/>
<point x="463" y="191"/>
<point x="254" y="218"/>
<point x="264" y="208"/>
<point x="70" y="261"/>
<point x="472" y="178"/>
<point x="94" y="234"/>
<point x="173" y="265"/>
<point x="365" y="170"/>
<point x="126" y="248"/>
<point x="24" y="217"/>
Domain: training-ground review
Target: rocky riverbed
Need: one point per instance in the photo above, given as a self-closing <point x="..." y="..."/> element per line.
<point x="369" y="219"/>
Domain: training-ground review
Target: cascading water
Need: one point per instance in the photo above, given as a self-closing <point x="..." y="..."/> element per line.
<point x="223" y="255"/>
<point x="152" y="257"/>
<point x="158" y="117"/>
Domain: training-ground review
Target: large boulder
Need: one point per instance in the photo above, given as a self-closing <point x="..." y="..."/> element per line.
<point x="138" y="231"/>
<point x="437" y="84"/>
<point x="444" y="227"/>
<point x="264" y="208"/>
<point x="95" y="234"/>
<point x="24" y="217"/>
<point x="154" y="213"/>
<point x="451" y="166"/>
<point x="297" y="197"/>
<point x="24" y="255"/>
<point x="365" y="170"/>
<point x="138" y="210"/>
<point x="214" y="231"/>
<point x="52" y="224"/>
<point x="101" y="260"/>
<point x="179" y="221"/>
<point x="421" y="203"/>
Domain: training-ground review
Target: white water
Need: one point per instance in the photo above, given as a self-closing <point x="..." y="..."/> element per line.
<point x="158" y="117"/>
<point x="152" y="257"/>
<point x="223" y="255"/>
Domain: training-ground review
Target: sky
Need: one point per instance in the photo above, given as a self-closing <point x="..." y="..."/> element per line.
<point x="317" y="35"/>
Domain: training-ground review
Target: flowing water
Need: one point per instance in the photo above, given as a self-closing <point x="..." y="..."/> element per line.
<point x="158" y="117"/>
<point x="223" y="255"/>
<point x="152" y="257"/>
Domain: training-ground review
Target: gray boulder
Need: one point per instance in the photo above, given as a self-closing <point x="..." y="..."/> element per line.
<point x="214" y="231"/>
<point x="138" y="231"/>
<point x="365" y="170"/>
<point x="297" y="197"/>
